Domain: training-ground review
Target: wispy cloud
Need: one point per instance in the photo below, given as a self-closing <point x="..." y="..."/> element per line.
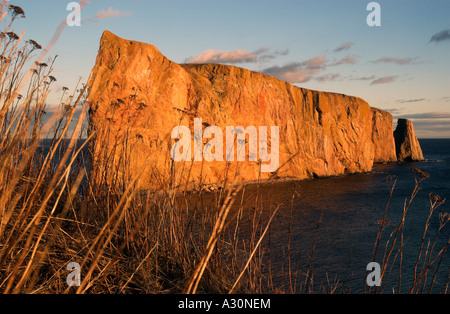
<point x="363" y="78"/>
<point x="282" y="52"/>
<point x="237" y="56"/>
<point x="441" y="36"/>
<point x="394" y="111"/>
<point x="261" y="50"/>
<point x="316" y="63"/>
<point x="428" y="115"/>
<point x="384" y="80"/>
<point x="298" y="72"/>
<point x="376" y="80"/>
<point x="107" y="14"/>
<point x="344" y="46"/>
<point x="405" y="101"/>
<point x="228" y="57"/>
<point x="346" y="60"/>
<point x="399" y="61"/>
<point x="301" y="72"/>
<point x="328" y="77"/>
<point x="264" y="53"/>
<point x="111" y="13"/>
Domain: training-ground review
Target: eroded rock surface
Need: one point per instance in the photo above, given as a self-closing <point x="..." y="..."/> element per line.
<point x="138" y="97"/>
<point x="407" y="146"/>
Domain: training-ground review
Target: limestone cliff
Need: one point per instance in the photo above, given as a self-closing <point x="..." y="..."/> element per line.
<point x="138" y="97"/>
<point x="407" y="145"/>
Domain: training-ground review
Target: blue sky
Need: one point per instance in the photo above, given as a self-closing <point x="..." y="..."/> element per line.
<point x="317" y="44"/>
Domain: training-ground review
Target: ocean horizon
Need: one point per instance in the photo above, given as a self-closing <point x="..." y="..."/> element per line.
<point x="350" y="209"/>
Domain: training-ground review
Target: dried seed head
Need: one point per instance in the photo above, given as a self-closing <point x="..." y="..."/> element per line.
<point x="41" y="65"/>
<point x="444" y="218"/>
<point x="16" y="11"/>
<point x="12" y="36"/>
<point x="35" y="44"/>
<point x="436" y="199"/>
<point x="420" y="173"/>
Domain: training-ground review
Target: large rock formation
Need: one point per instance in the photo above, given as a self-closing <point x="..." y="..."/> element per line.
<point x="138" y="97"/>
<point x="407" y="145"/>
<point x="384" y="143"/>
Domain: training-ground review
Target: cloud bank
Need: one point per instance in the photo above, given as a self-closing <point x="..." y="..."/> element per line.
<point x="220" y="56"/>
<point x="428" y="115"/>
<point x="298" y="72"/>
<point x="237" y="56"/>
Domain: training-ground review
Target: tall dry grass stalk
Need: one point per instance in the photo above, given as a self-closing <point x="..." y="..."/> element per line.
<point x="126" y="240"/>
<point x="427" y="257"/>
<point x="51" y="215"/>
<point x="31" y="190"/>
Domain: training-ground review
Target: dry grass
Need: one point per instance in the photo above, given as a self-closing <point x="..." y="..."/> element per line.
<point x="126" y="240"/>
<point x="429" y="258"/>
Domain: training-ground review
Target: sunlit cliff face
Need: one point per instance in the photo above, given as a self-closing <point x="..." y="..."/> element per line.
<point x="139" y="99"/>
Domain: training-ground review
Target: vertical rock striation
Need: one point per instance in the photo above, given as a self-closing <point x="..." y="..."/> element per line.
<point x="384" y="143"/>
<point x="138" y="97"/>
<point x="407" y="146"/>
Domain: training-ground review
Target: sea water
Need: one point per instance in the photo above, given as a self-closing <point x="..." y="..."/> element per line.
<point x="336" y="221"/>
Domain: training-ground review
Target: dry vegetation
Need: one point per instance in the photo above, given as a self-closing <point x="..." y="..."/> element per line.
<point x="126" y="241"/>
